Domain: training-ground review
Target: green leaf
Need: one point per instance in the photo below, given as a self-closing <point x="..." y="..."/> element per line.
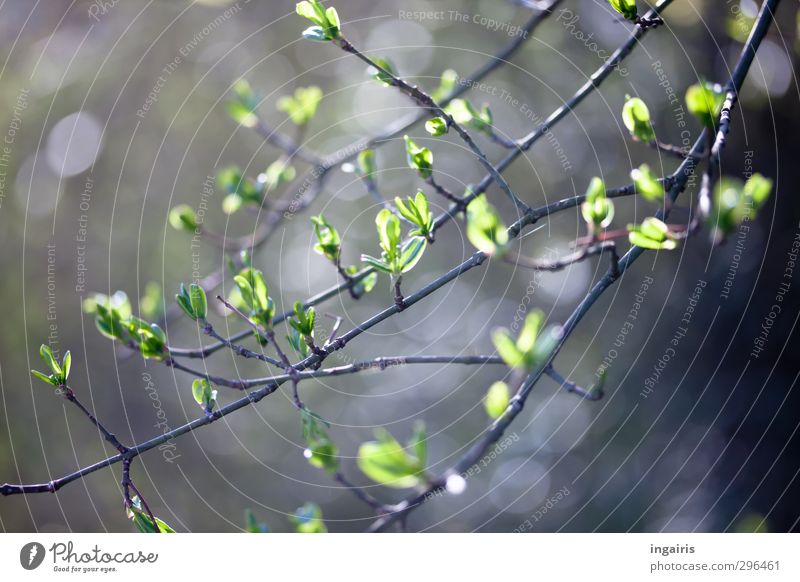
<point x="49" y="379"/>
<point x="277" y="173"/>
<point x="66" y="364"/>
<point x="182" y="217"/>
<point x="198" y="301"/>
<point x="151" y="304"/>
<point x="301" y="107"/>
<point x="388" y="227"/>
<point x="705" y="101"/>
<point x="47" y="357"/>
<point x="308" y="10"/>
<point x="464" y="113"/>
<point x="598" y="210"/>
<point x="447" y="84"/>
<point x="243" y="105"/>
<point x="329" y="243"/>
<point x="625" y="7"/>
<point x="530" y="330"/>
<point x="142" y="520"/>
<point x="485" y="229"/>
<point x="204" y="394"/>
<point x="436" y="126"/>
<point x="757" y="189"/>
<point x="252" y="525"/>
<point x="383" y="72"/>
<point x="376" y="263"/>
<point x="653" y="234"/>
<point x="366" y="163"/>
<point x="507" y="349"/>
<point x="420" y="159"/>
<point x="636" y="117"/>
<point x="497" y="398"/>
<point x="647" y="184"/>
<point x="385" y="461"/>
<point x="184" y="301"/>
<point x="411" y="253"/>
<point x="308" y="519"/>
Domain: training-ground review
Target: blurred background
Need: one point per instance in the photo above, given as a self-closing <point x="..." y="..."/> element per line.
<point x="114" y="112"/>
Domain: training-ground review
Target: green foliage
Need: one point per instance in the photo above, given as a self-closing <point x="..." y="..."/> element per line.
<point x="365" y="284"/>
<point x="395" y="259"/>
<point x="485" y="229"/>
<point x="416" y="211"/>
<point x="252" y="525"/>
<point x="366" y="163"/>
<point x="420" y="159"/>
<point x="497" y="398"/>
<point x="142" y="520"/>
<point x="636" y="117"/>
<point x="436" y="126"/>
<point x="204" y="394"/>
<point x="114" y="319"/>
<point x="303" y="320"/>
<point x="532" y="348"/>
<point x="298" y="343"/>
<point x="384" y="72"/>
<point x="464" y="113"/>
<point x="625" y="7"/>
<point x="327" y="26"/>
<point x="182" y="217"/>
<point x="447" y="85"/>
<point x="277" y="173"/>
<point x="193" y="301"/>
<point x="308" y="519"/>
<point x="647" y="184"/>
<point x="321" y="451"/>
<point x="242" y="106"/>
<point x="705" y="101"/>
<point x="58" y="372"/>
<point x="387" y="462"/>
<point x="653" y="234"/>
<point x="239" y="190"/>
<point x="329" y="243"/>
<point x="598" y="209"/>
<point x="735" y="202"/>
<point x="255" y="296"/>
<point x="301" y="107"/>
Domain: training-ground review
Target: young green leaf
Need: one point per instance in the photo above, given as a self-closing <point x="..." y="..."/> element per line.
<point x="447" y="84"/>
<point x="277" y="173"/>
<point x="419" y="158"/>
<point x="705" y="101"/>
<point x="636" y="117"/>
<point x="464" y="113"/>
<point x="417" y="212"/>
<point x="625" y="7"/>
<point x="198" y="301"/>
<point x="647" y="184"/>
<point x="597" y="210"/>
<point x="485" y="229"/>
<point x="532" y="347"/>
<point x="252" y="525"/>
<point x="184" y="301"/>
<point x="497" y="398"/>
<point x="653" y="234"/>
<point x="387" y="462"/>
<point x="308" y="519"/>
<point x="204" y="394"/>
<point x="182" y="217"/>
<point x="243" y="105"/>
<point x="366" y="163"/>
<point x="436" y="126"/>
<point x="384" y="72"/>
<point x="142" y="520"/>
<point x="302" y="106"/>
<point x="329" y="243"/>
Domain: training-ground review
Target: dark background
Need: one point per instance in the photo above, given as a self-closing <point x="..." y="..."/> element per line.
<point x="712" y="448"/>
